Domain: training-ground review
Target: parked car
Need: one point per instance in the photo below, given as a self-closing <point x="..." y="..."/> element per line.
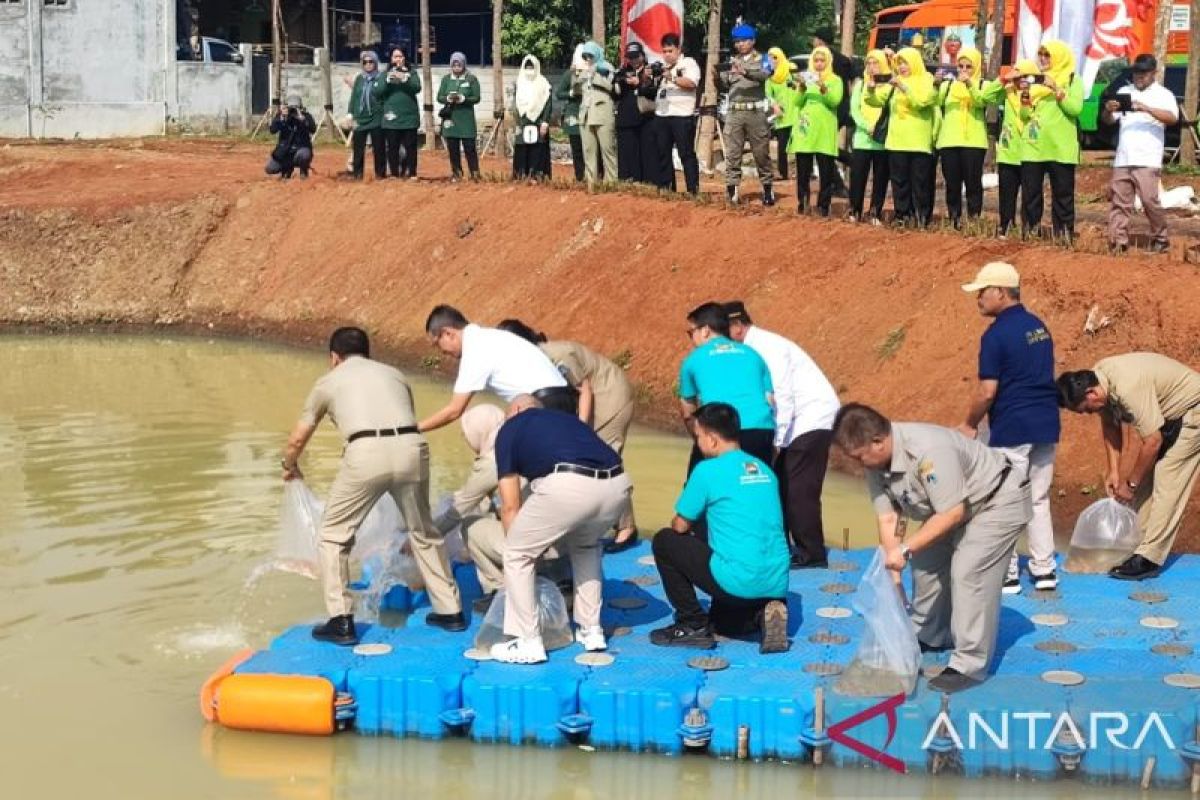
<point x="212" y="51"/>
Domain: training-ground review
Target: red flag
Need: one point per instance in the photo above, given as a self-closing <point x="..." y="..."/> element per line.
<point x="647" y="21"/>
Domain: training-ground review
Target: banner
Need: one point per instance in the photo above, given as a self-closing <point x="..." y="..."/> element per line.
<point x="1095" y="30"/>
<point x="647" y="21"/>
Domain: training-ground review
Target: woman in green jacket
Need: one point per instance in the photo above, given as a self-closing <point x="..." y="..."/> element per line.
<point x="397" y="94"/>
<point x="868" y="158"/>
<point x="566" y="94"/>
<point x="1011" y="90"/>
<point x="367" y="112"/>
<point x="962" y="139"/>
<point x="816" y="99"/>
<point x="911" y="100"/>
<point x="1050" y="141"/>
<point x="459" y="94"/>
<point x="779" y="89"/>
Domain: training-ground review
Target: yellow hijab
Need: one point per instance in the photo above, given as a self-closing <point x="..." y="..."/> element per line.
<point x="1062" y="62"/>
<point x="1024" y="67"/>
<point x="827" y="73"/>
<point x="918" y="76"/>
<point x="959" y="91"/>
<point x="783" y="67"/>
<point x="871" y="113"/>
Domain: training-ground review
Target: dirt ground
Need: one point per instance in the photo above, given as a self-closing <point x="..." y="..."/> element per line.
<point x="191" y="234"/>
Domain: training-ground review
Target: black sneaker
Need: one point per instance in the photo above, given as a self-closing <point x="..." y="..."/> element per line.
<point x="799" y="562"/>
<point x="447" y="622"/>
<point x="1047" y="582"/>
<point x="768" y="195"/>
<point x="731" y="195"/>
<point x="951" y="680"/>
<point x="338" y="630"/>
<point x="774" y="628"/>
<point x="1135" y="568"/>
<point x="482" y="604"/>
<point x="933" y="648"/>
<point x="613" y="546"/>
<point x="683" y="636"/>
<point x="1158" y="248"/>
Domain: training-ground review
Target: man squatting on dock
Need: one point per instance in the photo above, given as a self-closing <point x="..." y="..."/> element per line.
<point x="762" y="416"/>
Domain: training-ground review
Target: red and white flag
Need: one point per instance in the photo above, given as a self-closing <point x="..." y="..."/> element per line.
<point x="647" y="21"/>
<point x="1095" y="30"/>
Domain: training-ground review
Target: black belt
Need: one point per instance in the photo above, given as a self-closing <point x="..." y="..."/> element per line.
<point x="382" y="432"/>
<point x="555" y="391"/>
<point x="588" y="472"/>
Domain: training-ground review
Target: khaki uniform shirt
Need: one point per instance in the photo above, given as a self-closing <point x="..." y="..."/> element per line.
<point x="1147" y="390"/>
<point x="933" y="470"/>
<point x="578" y="363"/>
<point x="751" y="86"/>
<point x="361" y="394"/>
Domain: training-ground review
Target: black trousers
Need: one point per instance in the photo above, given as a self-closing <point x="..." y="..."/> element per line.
<point x="782" y="137"/>
<point x="864" y="163"/>
<point x="577" y="156"/>
<point x="456" y="147"/>
<point x="531" y="160"/>
<point x="1062" y="196"/>
<point x="680" y="133"/>
<point x="912" y="185"/>
<point x="358" y="143"/>
<point x="827" y="175"/>
<point x="758" y="442"/>
<point x="401" y="147"/>
<point x="637" y="153"/>
<point x="1010" y="189"/>
<point x="962" y="167"/>
<point x="683" y="565"/>
<point x="801" y="472"/>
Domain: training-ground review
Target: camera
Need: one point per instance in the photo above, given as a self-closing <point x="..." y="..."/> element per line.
<point x="657" y="69"/>
<point x="809" y="77"/>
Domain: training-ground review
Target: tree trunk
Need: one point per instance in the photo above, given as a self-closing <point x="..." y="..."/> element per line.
<point x="849" y="16"/>
<point x="497" y="65"/>
<point x="276" y="54"/>
<point x="1191" y="92"/>
<point x="1162" y="30"/>
<point x="992" y="66"/>
<point x="368" y="39"/>
<point x="427" y="78"/>
<point x="708" y="104"/>
<point x="598" y="22"/>
<point x="981" y="21"/>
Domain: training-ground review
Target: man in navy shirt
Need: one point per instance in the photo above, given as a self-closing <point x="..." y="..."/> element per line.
<point x="1017" y="393"/>
<point x="578" y="489"/>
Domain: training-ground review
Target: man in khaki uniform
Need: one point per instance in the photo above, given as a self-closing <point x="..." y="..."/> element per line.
<point x="972" y="503"/>
<point x="371" y="405"/>
<point x="746" y="117"/>
<point x="1160" y="399"/>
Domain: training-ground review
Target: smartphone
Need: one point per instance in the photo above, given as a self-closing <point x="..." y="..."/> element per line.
<point x="1125" y="101"/>
<point x="883" y="77"/>
<point x="1037" y="78"/>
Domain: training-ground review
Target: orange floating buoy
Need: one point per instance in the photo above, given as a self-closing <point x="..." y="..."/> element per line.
<point x="276" y="703"/>
<point x="208" y="692"/>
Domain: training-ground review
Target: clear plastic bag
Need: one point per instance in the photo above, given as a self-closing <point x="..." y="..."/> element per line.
<point x="889" y="657"/>
<point x="553" y="622"/>
<point x="456" y="548"/>
<point x="299" y="529"/>
<point x="1104" y="536"/>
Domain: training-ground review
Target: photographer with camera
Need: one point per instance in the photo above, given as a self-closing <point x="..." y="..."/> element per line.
<point x="675" y="115"/>
<point x="746" y="119"/>
<point x="398" y="92"/>
<point x="295" y="128"/>
<point x="637" y="158"/>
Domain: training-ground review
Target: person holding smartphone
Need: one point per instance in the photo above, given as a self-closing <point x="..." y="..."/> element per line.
<point x="459" y="94"/>
<point x="1011" y="91"/>
<point x="1050" y="141"/>
<point x="814" y="136"/>
<point x="962" y="138"/>
<point x="397" y="93"/>
<point x="911" y="100"/>
<point x="868" y="158"/>
<point x="1143" y="110"/>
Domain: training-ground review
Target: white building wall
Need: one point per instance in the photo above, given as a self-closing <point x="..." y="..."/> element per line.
<point x="14" y="70"/>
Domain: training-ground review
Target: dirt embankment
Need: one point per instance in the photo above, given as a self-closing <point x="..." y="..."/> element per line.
<point x="191" y="236"/>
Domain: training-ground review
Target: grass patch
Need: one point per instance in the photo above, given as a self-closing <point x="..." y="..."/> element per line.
<point x="623" y="359"/>
<point x="891" y="343"/>
<point x="431" y="362"/>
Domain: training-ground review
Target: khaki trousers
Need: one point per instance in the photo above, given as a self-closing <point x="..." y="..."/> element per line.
<point x="599" y="143"/>
<point x="742" y="126"/>
<point x="1126" y="183"/>
<point x="957" y="580"/>
<point x="1163" y="497"/>
<point x="399" y="466"/>
<point x="613" y="431"/>
<point x="576" y="510"/>
<point x="485" y="543"/>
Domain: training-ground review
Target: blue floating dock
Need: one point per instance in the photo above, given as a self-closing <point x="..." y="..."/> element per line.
<point x="1131" y="723"/>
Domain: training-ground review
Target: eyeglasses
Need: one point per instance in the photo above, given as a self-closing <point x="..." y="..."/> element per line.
<point x="368" y="61"/>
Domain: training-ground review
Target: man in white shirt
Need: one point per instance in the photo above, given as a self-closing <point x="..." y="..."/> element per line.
<point x="492" y="359"/>
<point x="1143" y="118"/>
<point x="675" y="110"/>
<point x="805" y="407"/>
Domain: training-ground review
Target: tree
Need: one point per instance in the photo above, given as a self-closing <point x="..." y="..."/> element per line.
<point x="1191" y="91"/>
<point x="1162" y="31"/>
<point x="708" y="105"/>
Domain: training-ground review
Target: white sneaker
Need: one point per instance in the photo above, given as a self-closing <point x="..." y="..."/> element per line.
<point x="520" y="651"/>
<point x="1012" y="579"/>
<point x="592" y="638"/>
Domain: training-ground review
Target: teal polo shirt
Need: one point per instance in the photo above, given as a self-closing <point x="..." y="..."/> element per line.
<point x="723" y="371"/>
<point x="739" y="497"/>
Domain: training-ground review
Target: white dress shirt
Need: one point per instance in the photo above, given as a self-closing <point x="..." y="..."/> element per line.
<point x="804" y="399"/>
<point x="503" y="362"/>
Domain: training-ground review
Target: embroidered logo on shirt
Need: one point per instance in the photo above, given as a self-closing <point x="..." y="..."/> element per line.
<point x="752" y="474"/>
<point x="925" y="471"/>
<point x="1036" y="335"/>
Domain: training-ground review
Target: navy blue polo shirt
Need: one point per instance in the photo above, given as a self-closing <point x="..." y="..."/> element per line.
<point x="532" y="442"/>
<point x="1016" y="351"/>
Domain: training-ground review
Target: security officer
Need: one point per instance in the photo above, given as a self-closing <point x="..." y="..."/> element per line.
<point x="746" y="118"/>
<point x="371" y="405"/>
<point x="972" y="503"/>
<point x="578" y="491"/>
<point x="1160" y="399"/>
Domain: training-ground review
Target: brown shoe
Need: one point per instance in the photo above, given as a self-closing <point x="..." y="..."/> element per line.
<point x="774" y="628"/>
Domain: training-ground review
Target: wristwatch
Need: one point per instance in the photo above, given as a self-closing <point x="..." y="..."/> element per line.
<point x="904" y="551"/>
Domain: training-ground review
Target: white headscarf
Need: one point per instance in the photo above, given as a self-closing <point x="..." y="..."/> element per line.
<point x="533" y="90"/>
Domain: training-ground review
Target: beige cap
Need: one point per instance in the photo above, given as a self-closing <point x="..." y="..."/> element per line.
<point x="996" y="273"/>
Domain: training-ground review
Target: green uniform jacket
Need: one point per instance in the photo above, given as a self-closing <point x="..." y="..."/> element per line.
<point x="863" y="124"/>
<point x="461" y="124"/>
<point x="816" y="125"/>
<point x="1008" y="146"/>
<point x="1051" y="131"/>
<point x="910" y="125"/>
<point x="364" y="106"/>
<point x="400" y="109"/>
<point x="962" y="127"/>
<point x="564" y="93"/>
<point x="783" y="95"/>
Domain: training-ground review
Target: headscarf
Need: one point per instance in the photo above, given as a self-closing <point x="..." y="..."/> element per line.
<point x="533" y="90"/>
<point x="480" y="425"/>
<point x="1012" y="105"/>
<point x="577" y="58"/>
<point x="959" y="92"/>
<point x="783" y="67"/>
<point x="597" y="53"/>
<point x="458" y="56"/>
<point x="374" y="59"/>
<point x="367" y="96"/>
<point x="872" y="113"/>
<point x="1062" y="62"/>
<point x="827" y="73"/>
<point x="918" y="76"/>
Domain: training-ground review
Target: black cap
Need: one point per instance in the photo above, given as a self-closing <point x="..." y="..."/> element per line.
<point x="635" y="48"/>
<point x="1145" y="63"/>
<point x="735" y="309"/>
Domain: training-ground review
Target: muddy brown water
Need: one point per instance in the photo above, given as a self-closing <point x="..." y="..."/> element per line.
<point x="139" y="491"/>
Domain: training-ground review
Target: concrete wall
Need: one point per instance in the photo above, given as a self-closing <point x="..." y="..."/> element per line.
<point x="212" y="98"/>
<point x="14" y="70"/>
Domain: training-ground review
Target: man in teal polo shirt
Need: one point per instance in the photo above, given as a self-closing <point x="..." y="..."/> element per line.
<point x="720" y="370"/>
<point x="743" y="565"/>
